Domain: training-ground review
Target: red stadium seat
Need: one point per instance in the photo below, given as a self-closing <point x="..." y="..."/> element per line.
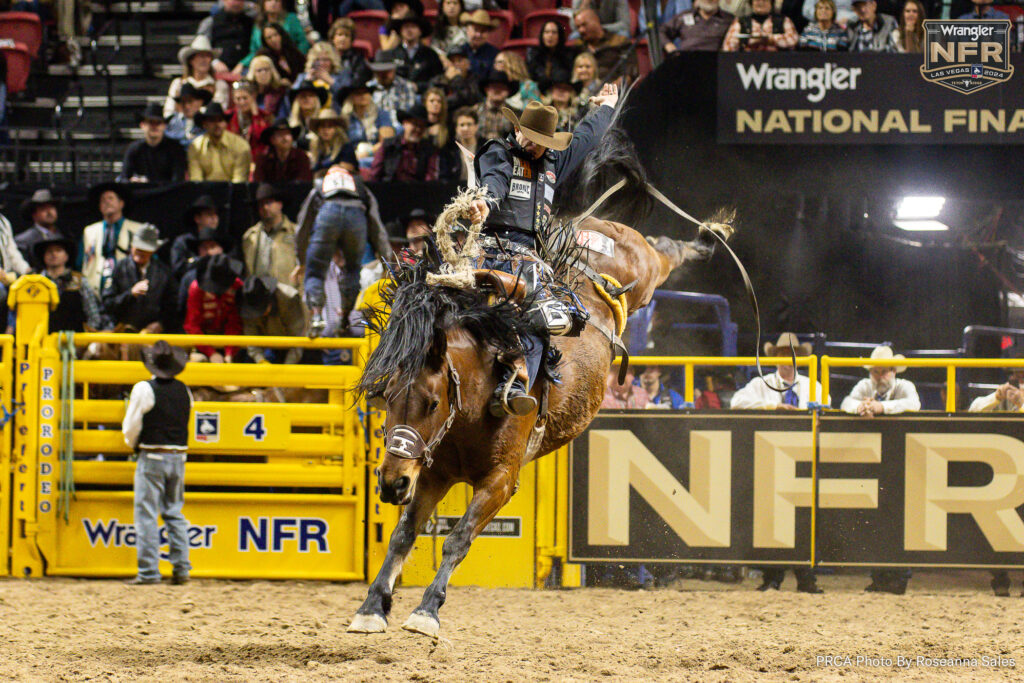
<point x="500" y="35"/>
<point x="19" y="61"/>
<point x="368" y="23"/>
<point x="523" y="8"/>
<point x="22" y="27"/>
<point x="520" y="45"/>
<point x="364" y="47"/>
<point x="430" y="6"/>
<point x="1016" y="12"/>
<point x="643" y="57"/>
<point x="535" y="21"/>
<point x="634" y="19"/>
<point x="430" y="15"/>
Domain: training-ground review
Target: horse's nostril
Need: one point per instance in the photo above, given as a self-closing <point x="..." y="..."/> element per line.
<point x="401" y="484"/>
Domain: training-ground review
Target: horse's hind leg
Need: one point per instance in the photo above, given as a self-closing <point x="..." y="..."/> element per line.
<point x="372" y="615"/>
<point x="488" y="499"/>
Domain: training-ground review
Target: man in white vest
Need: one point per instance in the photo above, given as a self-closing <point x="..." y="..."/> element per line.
<point x="107" y="241"/>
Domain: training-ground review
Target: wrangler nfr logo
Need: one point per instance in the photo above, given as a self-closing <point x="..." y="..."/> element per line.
<point x="967" y="56"/>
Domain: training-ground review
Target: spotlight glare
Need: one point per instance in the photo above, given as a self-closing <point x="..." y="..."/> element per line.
<point x="919" y="207"/>
<point x="920" y="225"/>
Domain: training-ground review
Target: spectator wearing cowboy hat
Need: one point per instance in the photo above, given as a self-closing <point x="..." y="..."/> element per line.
<point x="212" y="305"/>
<point x="368" y="124"/>
<point x="396" y="9"/>
<point x="268" y="248"/>
<point x="330" y="144"/>
<point x="417" y="230"/>
<point x="228" y="31"/>
<point x="283" y="162"/>
<point x="107" y="241"/>
<point x="562" y="93"/>
<point x="272" y="309"/>
<point x="156" y="158"/>
<point x="409" y="158"/>
<point x="391" y="92"/>
<point x="461" y="84"/>
<point x="196" y="61"/>
<point x="307" y="101"/>
<point x="413" y="60"/>
<point x="141" y="294"/>
<point x="218" y="154"/>
<point x="78" y="307"/>
<point x="771" y="393"/>
<point x="155" y="426"/>
<point x="184" y="249"/>
<point x="497" y="89"/>
<point x="479" y="25"/>
<point x="881" y="393"/>
<point x="182" y="125"/>
<point x="40" y="212"/>
<point x="208" y="242"/>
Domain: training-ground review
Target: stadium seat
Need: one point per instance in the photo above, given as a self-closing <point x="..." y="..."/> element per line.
<point x="430" y="15"/>
<point x="364" y="47"/>
<point x="533" y="23"/>
<point x="368" y="23"/>
<point x="500" y="35"/>
<point x="1016" y="12"/>
<point x="519" y="45"/>
<point x="430" y="6"/>
<point x="19" y="61"/>
<point x="523" y="8"/>
<point x="634" y="19"/>
<point x="643" y="58"/>
<point x="23" y="27"/>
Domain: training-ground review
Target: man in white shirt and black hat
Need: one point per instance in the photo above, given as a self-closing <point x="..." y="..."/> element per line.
<point x="784" y="389"/>
<point x="156" y="427"/>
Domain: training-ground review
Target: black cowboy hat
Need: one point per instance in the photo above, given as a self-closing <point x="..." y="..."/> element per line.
<point x="203" y="203"/>
<point x="309" y="86"/>
<point x="215" y="274"/>
<point x="417" y="214"/>
<point x="208" y="234"/>
<point x="39" y="248"/>
<point x="417" y="113"/>
<point x="164" y="360"/>
<point x="396" y="24"/>
<point x="38" y="198"/>
<point x="268" y="191"/>
<point x="416" y="6"/>
<point x="211" y="111"/>
<point x="460" y="50"/>
<point x="355" y="86"/>
<point x="257" y="294"/>
<point x="560" y="77"/>
<point x="152" y="112"/>
<point x="189" y="90"/>
<point x="279" y="124"/>
<point x="502" y="78"/>
<point x="122" y="190"/>
<point x="381" y="62"/>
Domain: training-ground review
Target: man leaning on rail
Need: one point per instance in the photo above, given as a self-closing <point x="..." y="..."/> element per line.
<point x="156" y="427"/>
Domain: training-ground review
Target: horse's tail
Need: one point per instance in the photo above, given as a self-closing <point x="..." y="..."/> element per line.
<point x="613" y="159"/>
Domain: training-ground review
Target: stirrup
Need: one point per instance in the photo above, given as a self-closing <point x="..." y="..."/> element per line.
<point x="507" y="404"/>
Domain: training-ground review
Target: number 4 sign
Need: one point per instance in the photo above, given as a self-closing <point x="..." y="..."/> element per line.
<point x="254" y="427"/>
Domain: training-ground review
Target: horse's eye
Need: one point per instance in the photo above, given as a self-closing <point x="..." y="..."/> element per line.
<point x="433" y="406"/>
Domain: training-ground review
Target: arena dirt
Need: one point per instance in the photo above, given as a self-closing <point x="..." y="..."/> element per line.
<point x="73" y="630"/>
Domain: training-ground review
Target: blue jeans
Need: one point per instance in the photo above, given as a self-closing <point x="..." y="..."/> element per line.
<point x="336" y="226"/>
<point x="533" y="345"/>
<point x="160" y="490"/>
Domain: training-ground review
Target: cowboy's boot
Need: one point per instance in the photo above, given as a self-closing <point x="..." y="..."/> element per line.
<point x="510" y="397"/>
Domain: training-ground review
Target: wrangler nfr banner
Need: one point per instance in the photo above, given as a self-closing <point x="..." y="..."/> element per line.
<point x="843" y="99"/>
<point x="744" y="487"/>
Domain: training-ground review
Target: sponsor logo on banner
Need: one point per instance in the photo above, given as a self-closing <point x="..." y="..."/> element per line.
<point x="117" y="534"/>
<point x="499" y="527"/>
<point x="278" y="534"/>
<point x="207" y="428"/>
<point x="967" y="56"/>
<point x="814" y="81"/>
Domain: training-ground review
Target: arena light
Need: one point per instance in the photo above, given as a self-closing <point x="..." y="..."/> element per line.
<point x="921" y="225"/>
<point x="918" y="208"/>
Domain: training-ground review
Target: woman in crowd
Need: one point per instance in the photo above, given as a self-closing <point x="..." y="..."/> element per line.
<point x="368" y="125"/>
<point x="909" y="35"/>
<point x="584" y="72"/>
<point x="353" y="62"/>
<point x="824" y="34"/>
<point x="246" y="118"/>
<point x="448" y="32"/>
<point x="196" y="60"/>
<point x="331" y="137"/>
<point x="322" y="67"/>
<point x="550" y="54"/>
<point x="273" y="12"/>
<point x="270" y="91"/>
<point x="515" y="68"/>
<point x="307" y="99"/>
<point x="278" y="45"/>
<point x="437" y="112"/>
<point x="564" y="95"/>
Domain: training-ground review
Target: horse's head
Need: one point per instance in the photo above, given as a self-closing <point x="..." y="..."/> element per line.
<point x="420" y="410"/>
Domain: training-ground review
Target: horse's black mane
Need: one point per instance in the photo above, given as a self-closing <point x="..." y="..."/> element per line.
<point x="414" y="312"/>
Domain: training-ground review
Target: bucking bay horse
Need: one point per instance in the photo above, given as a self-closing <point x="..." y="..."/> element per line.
<point x="435" y="368"/>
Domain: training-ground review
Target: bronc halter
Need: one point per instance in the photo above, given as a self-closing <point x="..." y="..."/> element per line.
<point x="404" y="442"/>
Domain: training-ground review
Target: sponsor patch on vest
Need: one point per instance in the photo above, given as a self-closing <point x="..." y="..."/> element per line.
<point x="550" y="175"/>
<point x="338" y="179"/>
<point x="207" y="427"/>
<point x="519" y="189"/>
<point x="520" y="169"/>
<point x="595" y="241"/>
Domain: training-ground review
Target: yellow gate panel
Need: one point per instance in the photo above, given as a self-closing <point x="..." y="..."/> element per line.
<point x="231" y="535"/>
<point x="6" y="493"/>
<point x="502" y="556"/>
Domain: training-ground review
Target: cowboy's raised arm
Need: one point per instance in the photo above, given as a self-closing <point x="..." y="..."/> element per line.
<point x="587" y="133"/>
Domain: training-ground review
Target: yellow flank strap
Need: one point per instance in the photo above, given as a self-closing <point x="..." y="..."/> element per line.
<point x="620" y="309"/>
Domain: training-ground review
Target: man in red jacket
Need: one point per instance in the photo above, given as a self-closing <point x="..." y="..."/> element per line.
<point x="212" y="306"/>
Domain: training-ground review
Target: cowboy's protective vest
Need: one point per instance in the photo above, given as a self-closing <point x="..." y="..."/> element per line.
<point x="167" y="423"/>
<point x="531" y="189"/>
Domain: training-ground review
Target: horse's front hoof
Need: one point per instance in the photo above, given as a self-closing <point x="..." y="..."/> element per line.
<point x="368" y="623"/>
<point x="423" y="623"/>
